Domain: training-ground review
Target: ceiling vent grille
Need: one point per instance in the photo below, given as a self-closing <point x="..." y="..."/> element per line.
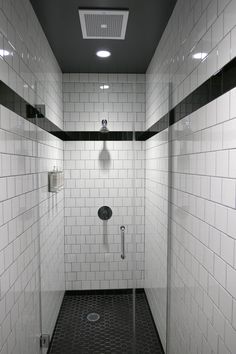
<point x="103" y="24"/>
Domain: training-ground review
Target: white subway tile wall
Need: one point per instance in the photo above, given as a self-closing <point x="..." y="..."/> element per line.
<point x="203" y="238"/>
<point x="203" y="253"/>
<point x="101" y="173"/>
<point x="114" y="173"/>
<point x="27" y="63"/>
<point x="203" y="29"/>
<point x="32" y="234"/>
<point x="86" y="102"/>
<point x="31" y="219"/>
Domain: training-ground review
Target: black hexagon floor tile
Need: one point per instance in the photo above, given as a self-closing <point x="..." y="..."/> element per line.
<point x="113" y="333"/>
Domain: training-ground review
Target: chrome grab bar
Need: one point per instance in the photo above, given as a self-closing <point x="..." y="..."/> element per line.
<point x="122" y="229"/>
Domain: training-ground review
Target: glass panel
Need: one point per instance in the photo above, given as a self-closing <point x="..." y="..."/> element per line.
<point x="157" y="231"/>
<point x="51" y="234"/>
<point x="99" y="173"/>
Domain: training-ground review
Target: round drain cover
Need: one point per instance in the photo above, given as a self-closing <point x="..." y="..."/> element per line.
<point x="93" y="317"/>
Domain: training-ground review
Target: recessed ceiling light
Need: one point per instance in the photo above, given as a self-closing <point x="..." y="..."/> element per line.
<point x="199" y="56"/>
<point x="4" y="53"/>
<point x="103" y="25"/>
<point x="104" y="87"/>
<point x="103" y="53"/>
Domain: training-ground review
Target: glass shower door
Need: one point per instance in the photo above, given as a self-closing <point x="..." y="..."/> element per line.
<point x="104" y="258"/>
<point x="50" y="239"/>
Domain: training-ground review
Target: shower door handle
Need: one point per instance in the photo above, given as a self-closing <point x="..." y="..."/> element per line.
<point x="122" y="229"/>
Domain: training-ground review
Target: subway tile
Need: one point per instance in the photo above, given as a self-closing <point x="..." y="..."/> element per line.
<point x="233" y="42"/>
<point x="222" y="163"/>
<point x="227" y="249"/>
<point x="224" y="52"/>
<point x="230" y="337"/>
<point x="232" y="104"/>
<point x="220" y="270"/>
<point x="234" y="313"/>
<point x="228" y="192"/>
<point x="218" y="321"/>
<point x="216" y="189"/>
<point x="215" y="240"/>
<point x="212" y="337"/>
<point x="229" y="16"/>
<point x="232" y="165"/>
<point x="222" y="348"/>
<point x="225" y="302"/>
<point x="228" y="133"/>
<point x="222" y="4"/>
<point x="217" y="30"/>
<point x="211" y="13"/>
<point x="231" y="281"/>
<point x="223" y="107"/>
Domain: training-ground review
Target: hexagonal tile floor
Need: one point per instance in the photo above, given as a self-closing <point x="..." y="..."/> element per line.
<point x="112" y="333"/>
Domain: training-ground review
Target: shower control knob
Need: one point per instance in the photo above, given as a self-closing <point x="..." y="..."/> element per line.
<point x="122" y="228"/>
<point x="104" y="213"/>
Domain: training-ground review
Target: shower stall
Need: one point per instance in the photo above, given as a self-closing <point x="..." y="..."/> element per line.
<point x="104" y="219"/>
<point x="118" y="184"/>
<point x="117" y="214"/>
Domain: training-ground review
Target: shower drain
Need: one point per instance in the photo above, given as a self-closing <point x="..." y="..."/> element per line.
<point x="93" y="317"/>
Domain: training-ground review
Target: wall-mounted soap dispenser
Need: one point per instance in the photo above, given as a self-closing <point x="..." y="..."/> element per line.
<point x="55" y="180"/>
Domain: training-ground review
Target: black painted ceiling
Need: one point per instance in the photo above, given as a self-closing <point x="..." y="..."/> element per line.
<point x="60" y="21"/>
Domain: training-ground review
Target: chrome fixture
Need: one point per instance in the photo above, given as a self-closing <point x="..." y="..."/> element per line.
<point x="44" y="340"/>
<point x="104" y="128"/>
<point x="122" y="229"/>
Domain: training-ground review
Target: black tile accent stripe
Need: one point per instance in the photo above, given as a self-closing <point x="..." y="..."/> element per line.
<point x="93" y="135"/>
<point x="11" y="100"/>
<point x="103" y="291"/>
<point x="218" y="84"/>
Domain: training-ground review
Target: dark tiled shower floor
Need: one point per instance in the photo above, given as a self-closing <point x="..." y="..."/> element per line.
<point x="112" y="333"/>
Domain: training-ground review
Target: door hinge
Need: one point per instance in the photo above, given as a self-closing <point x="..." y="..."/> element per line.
<point x="44" y="340"/>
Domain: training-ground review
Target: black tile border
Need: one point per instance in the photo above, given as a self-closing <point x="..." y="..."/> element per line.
<point x="224" y="80"/>
<point x="220" y="83"/>
<point x="103" y="292"/>
<point x="11" y="100"/>
<point x="93" y="135"/>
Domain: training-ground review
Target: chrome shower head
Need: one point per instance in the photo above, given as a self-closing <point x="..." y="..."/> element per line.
<point x="104" y="128"/>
